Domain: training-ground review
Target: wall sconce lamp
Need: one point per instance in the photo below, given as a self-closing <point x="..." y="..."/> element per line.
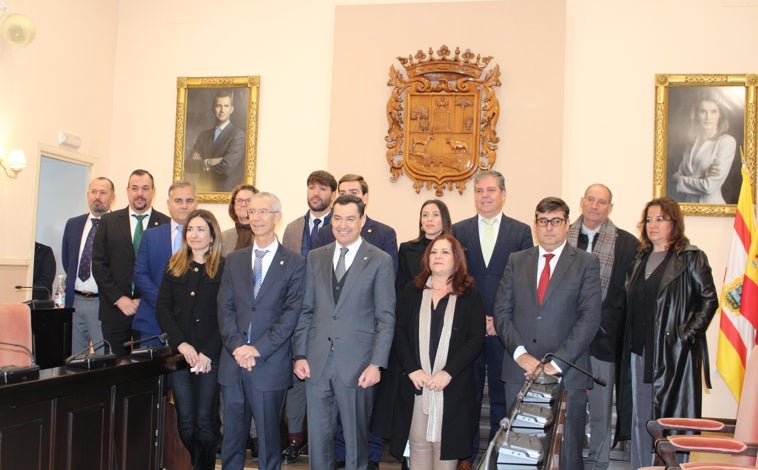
<point x="16" y="28"/>
<point x="15" y="162"/>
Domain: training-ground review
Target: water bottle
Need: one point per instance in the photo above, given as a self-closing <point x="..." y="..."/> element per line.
<point x="59" y="299"/>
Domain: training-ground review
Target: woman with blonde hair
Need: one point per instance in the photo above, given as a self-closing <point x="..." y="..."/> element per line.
<point x="186" y="310"/>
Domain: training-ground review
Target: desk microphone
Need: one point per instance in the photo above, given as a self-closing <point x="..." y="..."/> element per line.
<point x="12" y="374"/>
<point x="598" y="380"/>
<point x="92" y="361"/>
<point x="163" y="338"/>
<point x="33" y="288"/>
<point x="149" y="351"/>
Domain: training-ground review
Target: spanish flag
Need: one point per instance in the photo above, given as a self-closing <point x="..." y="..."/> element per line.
<point x="739" y="295"/>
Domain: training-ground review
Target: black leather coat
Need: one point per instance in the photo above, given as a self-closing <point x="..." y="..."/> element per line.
<point x="686" y="302"/>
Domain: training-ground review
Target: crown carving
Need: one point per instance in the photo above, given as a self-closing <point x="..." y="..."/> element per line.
<point x="445" y="61"/>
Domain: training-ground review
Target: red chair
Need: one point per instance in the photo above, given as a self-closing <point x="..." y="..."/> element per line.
<point x="743" y="448"/>
<point x="15" y="328"/>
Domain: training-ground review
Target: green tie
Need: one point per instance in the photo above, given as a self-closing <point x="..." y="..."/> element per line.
<point x="138" y="231"/>
<point x="488" y="240"/>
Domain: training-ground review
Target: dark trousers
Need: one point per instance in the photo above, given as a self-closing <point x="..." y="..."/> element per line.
<point x="243" y="402"/>
<point x="489" y="364"/>
<point x="196" y="401"/>
<point x="116" y="333"/>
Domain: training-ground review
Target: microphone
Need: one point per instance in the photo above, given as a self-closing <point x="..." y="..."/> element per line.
<point x="596" y="378"/>
<point x="149" y="351"/>
<point x="163" y="338"/>
<point x="12" y="374"/>
<point x="35" y="303"/>
<point x="92" y="361"/>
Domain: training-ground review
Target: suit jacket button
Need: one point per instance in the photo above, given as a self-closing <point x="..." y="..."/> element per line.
<point x="335" y="317"/>
<point x="534" y="340"/>
<point x="329" y="338"/>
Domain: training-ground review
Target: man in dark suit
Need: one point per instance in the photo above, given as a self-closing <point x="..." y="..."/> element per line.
<point x="594" y="233"/>
<point x="298" y="237"/>
<point x="489" y="238"/>
<point x="344" y="335"/>
<point x="158" y="244"/>
<point x="76" y="254"/>
<point x="218" y="156"/>
<point x="258" y="307"/>
<point x="114" y="251"/>
<point x="549" y="302"/>
<point x="373" y="231"/>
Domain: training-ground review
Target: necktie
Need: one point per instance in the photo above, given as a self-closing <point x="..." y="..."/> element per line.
<point x="138" y="231"/>
<point x="488" y="240"/>
<point x="177" y="240"/>
<point x="85" y="262"/>
<point x="216" y="133"/>
<point x="340" y="271"/>
<point x="316" y="223"/>
<point x="544" y="278"/>
<point x="258" y="268"/>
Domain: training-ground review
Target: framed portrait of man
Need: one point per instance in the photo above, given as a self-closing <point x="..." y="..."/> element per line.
<point x="703" y="136"/>
<point x="216" y="134"/>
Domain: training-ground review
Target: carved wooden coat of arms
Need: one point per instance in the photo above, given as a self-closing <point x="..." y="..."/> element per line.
<point x="442" y="118"/>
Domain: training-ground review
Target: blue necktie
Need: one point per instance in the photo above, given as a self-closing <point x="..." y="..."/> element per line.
<point x="316" y="223"/>
<point x="216" y="133"/>
<point x="258" y="268"/>
<point x="177" y="240"/>
<point x="85" y="262"/>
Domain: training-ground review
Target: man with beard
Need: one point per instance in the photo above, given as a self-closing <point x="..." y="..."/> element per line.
<point x="114" y="251"/>
<point x="298" y="237"/>
<point x="76" y="254"/>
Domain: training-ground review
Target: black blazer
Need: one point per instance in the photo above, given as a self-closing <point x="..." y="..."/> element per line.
<point x="113" y="260"/>
<point x="466" y="341"/>
<point x="186" y="309"/>
<point x="409" y="261"/>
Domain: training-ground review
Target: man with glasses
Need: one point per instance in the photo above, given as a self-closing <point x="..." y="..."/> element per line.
<point x="258" y="307"/>
<point x="548" y="301"/>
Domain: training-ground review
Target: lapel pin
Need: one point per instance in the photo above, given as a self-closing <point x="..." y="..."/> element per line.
<point x="281" y="263"/>
<point x="365" y="258"/>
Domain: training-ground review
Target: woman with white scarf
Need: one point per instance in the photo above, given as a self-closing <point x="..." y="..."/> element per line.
<point x="439" y="332"/>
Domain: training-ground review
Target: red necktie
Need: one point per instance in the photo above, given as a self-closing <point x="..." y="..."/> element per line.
<point x="544" y="279"/>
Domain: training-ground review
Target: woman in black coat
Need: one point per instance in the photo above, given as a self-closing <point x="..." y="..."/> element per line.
<point x="671" y="299"/>
<point x="186" y="310"/>
<point x="439" y="331"/>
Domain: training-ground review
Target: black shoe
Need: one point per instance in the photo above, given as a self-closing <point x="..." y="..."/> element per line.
<point x="373" y="466"/>
<point x="340" y="464"/>
<point x="292" y="453"/>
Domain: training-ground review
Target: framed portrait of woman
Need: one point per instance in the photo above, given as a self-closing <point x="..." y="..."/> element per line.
<point x="216" y="134"/>
<point x="705" y="129"/>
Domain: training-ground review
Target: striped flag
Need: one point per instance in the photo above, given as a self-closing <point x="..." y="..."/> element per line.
<point x="739" y="295"/>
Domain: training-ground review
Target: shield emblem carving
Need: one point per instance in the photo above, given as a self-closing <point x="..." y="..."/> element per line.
<point x="442" y="117"/>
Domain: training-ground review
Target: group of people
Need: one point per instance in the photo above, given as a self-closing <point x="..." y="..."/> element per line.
<point x="374" y="343"/>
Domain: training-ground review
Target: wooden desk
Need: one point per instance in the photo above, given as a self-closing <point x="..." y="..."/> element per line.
<point x="51" y="335"/>
<point x="109" y="418"/>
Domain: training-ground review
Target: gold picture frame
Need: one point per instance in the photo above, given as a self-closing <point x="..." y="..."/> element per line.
<point x="699" y="121"/>
<point x="216" y="160"/>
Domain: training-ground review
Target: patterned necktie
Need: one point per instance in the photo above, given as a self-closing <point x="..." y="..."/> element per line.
<point x="177" y="240"/>
<point x="258" y="268"/>
<point x="139" y="230"/>
<point x="488" y="240"/>
<point x="85" y="262"/>
<point x="340" y="271"/>
<point x="544" y="278"/>
<point x="316" y="223"/>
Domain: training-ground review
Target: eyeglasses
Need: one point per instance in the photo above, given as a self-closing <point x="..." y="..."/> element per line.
<point x="261" y="211"/>
<point x="555" y="222"/>
<point x="659" y="220"/>
<point x="242" y="202"/>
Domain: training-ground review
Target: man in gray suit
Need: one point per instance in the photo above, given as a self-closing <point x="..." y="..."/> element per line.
<point x="548" y="301"/>
<point x="258" y="305"/>
<point x="298" y="237"/>
<point x="344" y="335"/>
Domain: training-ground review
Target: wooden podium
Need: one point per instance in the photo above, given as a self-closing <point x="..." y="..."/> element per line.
<point x="110" y="418"/>
<point x="51" y="335"/>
